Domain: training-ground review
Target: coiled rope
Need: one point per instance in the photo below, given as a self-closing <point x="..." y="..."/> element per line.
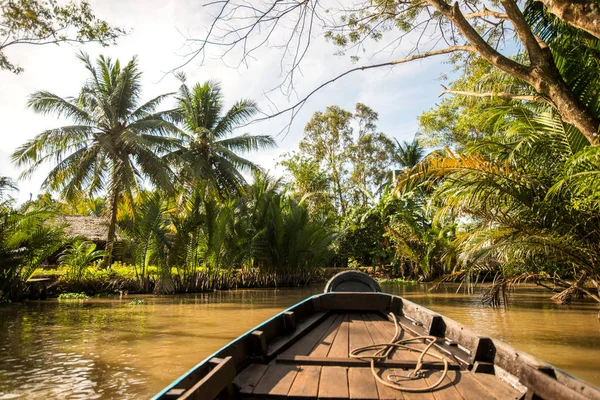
<point x="384" y="350"/>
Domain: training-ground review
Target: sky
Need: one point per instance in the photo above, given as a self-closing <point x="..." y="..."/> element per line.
<point x="157" y="32"/>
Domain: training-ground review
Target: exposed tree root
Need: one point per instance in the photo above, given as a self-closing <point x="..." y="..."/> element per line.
<point x="573" y="291"/>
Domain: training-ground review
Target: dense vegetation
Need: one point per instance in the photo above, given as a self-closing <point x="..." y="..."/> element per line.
<point x="509" y="193"/>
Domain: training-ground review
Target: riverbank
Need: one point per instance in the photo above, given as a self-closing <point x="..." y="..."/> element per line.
<point x="111" y="347"/>
<point x="123" y="278"/>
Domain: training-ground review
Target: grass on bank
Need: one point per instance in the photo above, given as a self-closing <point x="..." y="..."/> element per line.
<point x="120" y="277"/>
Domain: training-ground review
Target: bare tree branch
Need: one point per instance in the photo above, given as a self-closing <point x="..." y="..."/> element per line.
<point x="250" y="24"/>
<point x="294" y="109"/>
<point x="486" y="13"/>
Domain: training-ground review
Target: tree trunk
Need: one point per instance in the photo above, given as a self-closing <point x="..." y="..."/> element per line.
<point x="566" y="296"/>
<point x="336" y="178"/>
<point x="112" y="225"/>
<point x="542" y="74"/>
<point x="582" y="14"/>
<point x="570" y="108"/>
<point x="339" y="190"/>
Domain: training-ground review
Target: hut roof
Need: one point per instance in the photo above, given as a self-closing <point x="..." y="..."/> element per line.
<point x="92" y="228"/>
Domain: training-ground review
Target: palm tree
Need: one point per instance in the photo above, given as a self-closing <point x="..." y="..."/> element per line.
<point x="149" y="228"/>
<point x="530" y="195"/>
<point x="114" y="145"/>
<point x="285" y="239"/>
<point x="408" y="154"/>
<point x="26" y="240"/>
<point x="208" y="152"/>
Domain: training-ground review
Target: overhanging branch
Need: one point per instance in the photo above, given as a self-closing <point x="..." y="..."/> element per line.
<point x="486" y="13"/>
<point x="532" y="44"/>
<point x="454" y="14"/>
<point x="504" y="95"/>
<point x="294" y="109"/>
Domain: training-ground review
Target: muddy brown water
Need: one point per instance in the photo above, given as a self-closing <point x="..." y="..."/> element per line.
<point x="108" y="348"/>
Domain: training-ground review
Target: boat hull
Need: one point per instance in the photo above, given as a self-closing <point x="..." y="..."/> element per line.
<point x="305" y="352"/>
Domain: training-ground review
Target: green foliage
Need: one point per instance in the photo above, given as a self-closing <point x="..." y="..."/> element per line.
<point x="285" y="238"/>
<point x="207" y="151"/>
<point x="78" y="257"/>
<point x="136" y="302"/>
<point x="460" y="120"/>
<point x="576" y="53"/>
<point x="201" y="234"/>
<point x="309" y="183"/>
<point x="262" y="228"/>
<point x="399" y="234"/>
<point x="524" y="182"/>
<point x="208" y="236"/>
<point x="40" y="22"/>
<point x="26" y="240"/>
<point x="114" y="144"/>
<point x="518" y="192"/>
<point x="465" y="118"/>
<point x="580" y="178"/>
<point x="407" y="155"/>
<point x="529" y="211"/>
<point x="148" y="228"/>
<point x="121" y="279"/>
<point x="361" y="238"/>
<point x="342" y="161"/>
<point x="397" y="281"/>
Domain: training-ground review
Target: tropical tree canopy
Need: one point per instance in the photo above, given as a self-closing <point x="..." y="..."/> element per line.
<point x="38" y="22"/>
<point x="208" y="151"/>
<point x="114" y="145"/>
<point x="372" y="30"/>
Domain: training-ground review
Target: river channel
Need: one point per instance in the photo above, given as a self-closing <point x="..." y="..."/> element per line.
<point x="110" y="348"/>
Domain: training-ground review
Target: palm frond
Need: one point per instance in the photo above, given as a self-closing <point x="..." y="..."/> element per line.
<point x="237" y="115"/>
<point x="247" y="143"/>
<point x="44" y="102"/>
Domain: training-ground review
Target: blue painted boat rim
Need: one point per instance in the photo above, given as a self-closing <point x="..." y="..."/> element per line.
<point x="176" y="382"/>
<point x="310" y="298"/>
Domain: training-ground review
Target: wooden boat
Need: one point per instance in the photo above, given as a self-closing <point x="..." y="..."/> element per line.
<point x="324" y="348"/>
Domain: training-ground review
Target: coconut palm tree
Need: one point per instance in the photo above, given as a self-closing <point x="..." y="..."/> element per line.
<point x="408" y="154"/>
<point x="208" y="151"/>
<point x="114" y="145"/>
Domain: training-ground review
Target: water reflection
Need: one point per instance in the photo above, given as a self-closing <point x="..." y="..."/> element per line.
<point x="106" y="348"/>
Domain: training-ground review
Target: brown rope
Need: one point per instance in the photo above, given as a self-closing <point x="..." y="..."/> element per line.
<point x="383" y="351"/>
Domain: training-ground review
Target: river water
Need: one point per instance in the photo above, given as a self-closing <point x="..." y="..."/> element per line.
<point x="109" y="348"/>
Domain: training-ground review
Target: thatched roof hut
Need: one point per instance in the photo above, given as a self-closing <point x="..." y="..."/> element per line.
<point x="91" y="228"/>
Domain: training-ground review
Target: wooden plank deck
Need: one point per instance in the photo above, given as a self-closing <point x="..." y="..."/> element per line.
<point x="311" y="375"/>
